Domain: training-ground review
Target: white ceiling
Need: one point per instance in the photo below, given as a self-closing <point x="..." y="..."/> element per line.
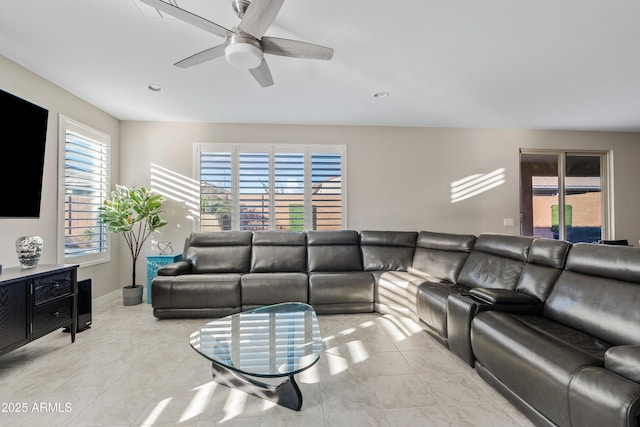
<point x="541" y="64"/>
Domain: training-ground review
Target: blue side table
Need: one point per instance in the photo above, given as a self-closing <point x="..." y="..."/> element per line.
<point x="154" y="262"/>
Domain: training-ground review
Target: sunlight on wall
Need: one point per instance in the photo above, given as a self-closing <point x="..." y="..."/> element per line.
<point x="473" y="185"/>
<point x="176" y="187"/>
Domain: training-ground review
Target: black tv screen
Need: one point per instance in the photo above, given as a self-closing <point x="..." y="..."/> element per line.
<point x="24" y="136"/>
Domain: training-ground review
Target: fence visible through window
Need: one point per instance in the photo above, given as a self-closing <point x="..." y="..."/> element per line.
<point x="270" y="189"/>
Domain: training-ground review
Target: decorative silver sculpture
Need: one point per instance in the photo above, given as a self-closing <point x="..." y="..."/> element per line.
<point x="29" y="249"/>
<point x="165" y="247"/>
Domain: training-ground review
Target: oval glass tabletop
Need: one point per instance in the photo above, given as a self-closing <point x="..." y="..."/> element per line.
<point x="273" y="341"/>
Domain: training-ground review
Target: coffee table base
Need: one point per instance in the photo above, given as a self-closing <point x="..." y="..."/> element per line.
<point x="285" y="394"/>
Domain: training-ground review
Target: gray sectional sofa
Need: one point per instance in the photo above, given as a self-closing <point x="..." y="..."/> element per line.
<point x="553" y="326"/>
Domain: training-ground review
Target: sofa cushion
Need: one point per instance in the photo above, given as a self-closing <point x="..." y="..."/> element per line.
<point x="504" y="245"/>
<point x="546" y="261"/>
<point x="599" y="293"/>
<point x="345" y="287"/>
<point x="333" y="251"/>
<point x="624" y="360"/>
<point x="193" y="291"/>
<point x="497" y="261"/>
<point x="599" y="397"/>
<point x="440" y="256"/>
<point x="521" y="356"/>
<point x="219" y="251"/>
<point x="398" y="287"/>
<point x="279" y="251"/>
<point x="614" y="262"/>
<point x="271" y="288"/>
<point x="387" y="250"/>
<point x="431" y="302"/>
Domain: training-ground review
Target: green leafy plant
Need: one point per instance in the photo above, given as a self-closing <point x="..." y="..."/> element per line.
<point x="134" y="213"/>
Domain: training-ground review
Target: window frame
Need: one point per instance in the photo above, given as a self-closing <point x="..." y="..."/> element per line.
<point x="67" y="124"/>
<point x="606" y="184"/>
<point x="272" y="149"/>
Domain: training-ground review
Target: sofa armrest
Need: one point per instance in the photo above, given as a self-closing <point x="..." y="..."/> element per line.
<point x="503" y="296"/>
<point x="624" y="360"/>
<point x="599" y="397"/>
<point x="462" y="308"/>
<point x="175" y="269"/>
<point x="460" y="312"/>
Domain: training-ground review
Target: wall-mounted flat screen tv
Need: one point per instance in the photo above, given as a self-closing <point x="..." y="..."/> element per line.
<point x="24" y="136"/>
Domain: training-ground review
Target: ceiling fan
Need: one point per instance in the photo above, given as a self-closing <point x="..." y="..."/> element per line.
<point x="244" y="45"/>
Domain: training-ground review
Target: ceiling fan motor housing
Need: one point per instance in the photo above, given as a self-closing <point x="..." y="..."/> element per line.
<point x="243" y="52"/>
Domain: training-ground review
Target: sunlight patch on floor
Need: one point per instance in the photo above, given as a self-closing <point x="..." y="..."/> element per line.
<point x="399" y="328"/>
<point x="199" y="402"/>
<point x="235" y="404"/>
<point x="157" y="411"/>
<point x="339" y="358"/>
<point x="357" y="351"/>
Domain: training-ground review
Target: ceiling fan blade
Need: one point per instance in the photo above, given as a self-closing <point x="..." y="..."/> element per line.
<point x="189" y="17"/>
<point x="262" y="74"/>
<point x="295" y="48"/>
<point x="200" y="57"/>
<point x="259" y="16"/>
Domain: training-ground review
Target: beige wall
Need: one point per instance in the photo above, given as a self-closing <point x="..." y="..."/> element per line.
<point x="398" y="178"/>
<point x="23" y="83"/>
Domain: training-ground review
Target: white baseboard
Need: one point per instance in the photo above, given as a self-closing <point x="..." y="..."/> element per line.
<point x="104" y="299"/>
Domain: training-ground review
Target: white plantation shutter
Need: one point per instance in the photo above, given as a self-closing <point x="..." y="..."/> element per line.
<point x="215" y="191"/>
<point x="327" y="190"/>
<point x="289" y="191"/>
<point x="258" y="187"/>
<point x="254" y="191"/>
<point x="85" y="186"/>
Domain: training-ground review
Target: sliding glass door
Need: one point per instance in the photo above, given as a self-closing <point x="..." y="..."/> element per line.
<point x="563" y="195"/>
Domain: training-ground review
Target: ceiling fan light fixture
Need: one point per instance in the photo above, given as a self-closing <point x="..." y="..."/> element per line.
<point x="243" y="53"/>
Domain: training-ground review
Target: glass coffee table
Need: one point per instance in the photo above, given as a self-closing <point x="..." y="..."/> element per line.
<point x="276" y="341"/>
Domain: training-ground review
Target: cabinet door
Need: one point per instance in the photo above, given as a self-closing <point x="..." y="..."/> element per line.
<point x="14" y="324"/>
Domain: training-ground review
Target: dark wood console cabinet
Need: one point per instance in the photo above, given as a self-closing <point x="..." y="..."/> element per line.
<point x="35" y="302"/>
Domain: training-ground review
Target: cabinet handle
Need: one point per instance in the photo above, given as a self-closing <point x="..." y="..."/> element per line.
<point x="55" y="314"/>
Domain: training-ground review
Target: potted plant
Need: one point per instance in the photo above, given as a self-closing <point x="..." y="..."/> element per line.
<point x="134" y="213"/>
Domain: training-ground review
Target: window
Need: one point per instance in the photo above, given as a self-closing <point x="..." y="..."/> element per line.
<point x="260" y="187"/>
<point x="564" y="195"/>
<point x="84" y="182"/>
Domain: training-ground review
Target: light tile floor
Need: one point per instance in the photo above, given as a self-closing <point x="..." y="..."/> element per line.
<point x="131" y="369"/>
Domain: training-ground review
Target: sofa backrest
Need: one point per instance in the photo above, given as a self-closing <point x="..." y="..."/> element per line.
<point x="387" y="250"/>
<point x="546" y="261"/>
<point x="219" y="251"/>
<point x="279" y="252"/>
<point x="599" y="293"/>
<point x="440" y="256"/>
<point x="496" y="261"/>
<point x="333" y="251"/>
